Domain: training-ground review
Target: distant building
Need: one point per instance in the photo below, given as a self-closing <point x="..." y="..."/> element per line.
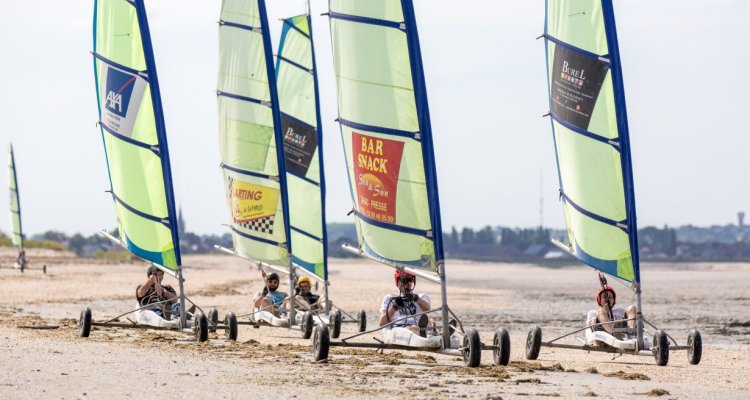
<point x="741" y="219"/>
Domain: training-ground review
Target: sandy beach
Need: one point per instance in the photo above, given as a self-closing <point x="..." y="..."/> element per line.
<point x="43" y="357"/>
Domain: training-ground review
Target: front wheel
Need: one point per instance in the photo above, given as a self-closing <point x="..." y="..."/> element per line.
<point x="501" y="353"/>
<point x="307" y="325"/>
<point x="201" y="327"/>
<point x="321" y="342"/>
<point x="335" y="320"/>
<point x="695" y="347"/>
<point x="472" y="348"/>
<point x="533" y="343"/>
<point x="230" y="321"/>
<point x="362" y="317"/>
<point x="661" y="348"/>
<point x="84" y="322"/>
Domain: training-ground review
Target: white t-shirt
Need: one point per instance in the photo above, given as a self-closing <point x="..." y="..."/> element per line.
<point x="402" y="312"/>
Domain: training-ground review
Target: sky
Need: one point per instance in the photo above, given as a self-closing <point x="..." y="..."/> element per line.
<point x="685" y="73"/>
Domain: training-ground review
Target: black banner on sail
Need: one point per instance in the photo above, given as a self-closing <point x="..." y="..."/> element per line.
<point x="300" y="142"/>
<point x="576" y="82"/>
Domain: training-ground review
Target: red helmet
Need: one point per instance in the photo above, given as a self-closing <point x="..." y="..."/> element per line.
<point x="403" y="274"/>
<point x="606" y="288"/>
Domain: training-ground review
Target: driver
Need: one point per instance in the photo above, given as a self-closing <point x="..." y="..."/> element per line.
<point x="405" y="305"/>
<point x="270" y="298"/>
<point x="153" y="292"/>
<point x="606" y="299"/>
<point x="305" y="299"/>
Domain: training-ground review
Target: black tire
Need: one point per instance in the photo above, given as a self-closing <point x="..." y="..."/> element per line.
<point x="230" y="320"/>
<point x="661" y="348"/>
<point x="452" y="324"/>
<point x="695" y="347"/>
<point x="501" y="353"/>
<point x="308" y="323"/>
<point x="321" y="342"/>
<point x="362" y="317"/>
<point x="472" y="348"/>
<point x="44" y="269"/>
<point x="84" y="322"/>
<point x="533" y="343"/>
<point x="201" y="327"/>
<point x="335" y="322"/>
<point x="213" y="319"/>
<point x="23" y="267"/>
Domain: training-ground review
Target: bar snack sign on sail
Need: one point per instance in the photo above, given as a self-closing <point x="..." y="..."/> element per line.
<point x="377" y="162"/>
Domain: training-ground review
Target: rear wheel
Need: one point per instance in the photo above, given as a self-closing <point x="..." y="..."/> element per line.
<point x="230" y="320"/>
<point x="321" y="342"/>
<point x="501" y="353"/>
<point x="472" y="348"/>
<point x="213" y="319"/>
<point x="362" y="317"/>
<point x="307" y="325"/>
<point x="661" y="348"/>
<point x="84" y="322"/>
<point x="44" y="269"/>
<point x="533" y="343"/>
<point x="201" y="327"/>
<point x="695" y="347"/>
<point x="335" y="320"/>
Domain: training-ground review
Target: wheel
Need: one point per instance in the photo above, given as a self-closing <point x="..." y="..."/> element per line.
<point x="321" y="342"/>
<point x="472" y="348"/>
<point x="201" y="327"/>
<point x="213" y="319"/>
<point x="661" y="348"/>
<point x="84" y="322"/>
<point x="335" y="321"/>
<point x="695" y="347"/>
<point x="230" y="320"/>
<point x="501" y="353"/>
<point x="23" y="267"/>
<point x="362" y="317"/>
<point x="307" y="325"/>
<point x="452" y="324"/>
<point x="44" y="269"/>
<point x="533" y="343"/>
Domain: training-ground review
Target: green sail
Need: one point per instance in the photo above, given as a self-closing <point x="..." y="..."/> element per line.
<point x="16" y="231"/>
<point x="384" y="122"/>
<point x="248" y="134"/>
<point x="300" y="125"/>
<point x="132" y="128"/>
<point x="590" y="134"/>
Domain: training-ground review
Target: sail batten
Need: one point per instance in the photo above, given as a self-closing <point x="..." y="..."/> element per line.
<point x="131" y="121"/>
<point x="590" y="134"/>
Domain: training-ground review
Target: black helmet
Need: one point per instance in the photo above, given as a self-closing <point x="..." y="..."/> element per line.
<point x="272" y="276"/>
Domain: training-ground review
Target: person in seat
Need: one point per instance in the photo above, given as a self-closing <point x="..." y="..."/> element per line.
<point x="610" y="317"/>
<point x="152" y="292"/>
<point x="304" y="298"/>
<point x="271" y="299"/>
<point x="406" y="304"/>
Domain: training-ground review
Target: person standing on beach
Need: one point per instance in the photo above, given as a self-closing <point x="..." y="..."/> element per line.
<point x="606" y="314"/>
<point x="405" y="305"/>
<point x="153" y="292"/>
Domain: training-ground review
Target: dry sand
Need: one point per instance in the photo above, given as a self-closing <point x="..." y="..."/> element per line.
<point x="268" y="362"/>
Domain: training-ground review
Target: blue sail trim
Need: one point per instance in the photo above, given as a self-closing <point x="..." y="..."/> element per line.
<point x="367" y="20"/>
<point x="141" y="74"/>
<point x="280" y="156"/>
<point x="393" y="227"/>
<point x="287" y="23"/>
<point x="302" y="232"/>
<point x="623" y="225"/>
<point x="255" y="238"/>
<point x="425" y="126"/>
<point x="612" y="142"/>
<point x="604" y="58"/>
<point x="240" y="26"/>
<point x="622" y="128"/>
<point x="161" y="130"/>
<point x="606" y="266"/>
<point x="290" y="62"/>
<point x="378" y="129"/>
<point x="154" y="148"/>
<point x="143" y="253"/>
<point x="307" y="266"/>
<point x="247" y="172"/>
<point x="160" y="220"/>
<point x="321" y="168"/>
<point x="240" y="97"/>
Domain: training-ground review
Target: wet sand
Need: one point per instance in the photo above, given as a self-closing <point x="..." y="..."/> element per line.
<point x="43" y="357"/>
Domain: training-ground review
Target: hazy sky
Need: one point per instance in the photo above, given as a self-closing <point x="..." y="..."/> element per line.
<point x="685" y="66"/>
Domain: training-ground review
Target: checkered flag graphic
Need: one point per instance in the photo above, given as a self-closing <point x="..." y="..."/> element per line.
<point x="262" y="225"/>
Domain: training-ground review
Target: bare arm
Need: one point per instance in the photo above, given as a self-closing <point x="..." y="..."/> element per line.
<point x="143" y="289"/>
<point x="387" y="315"/>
